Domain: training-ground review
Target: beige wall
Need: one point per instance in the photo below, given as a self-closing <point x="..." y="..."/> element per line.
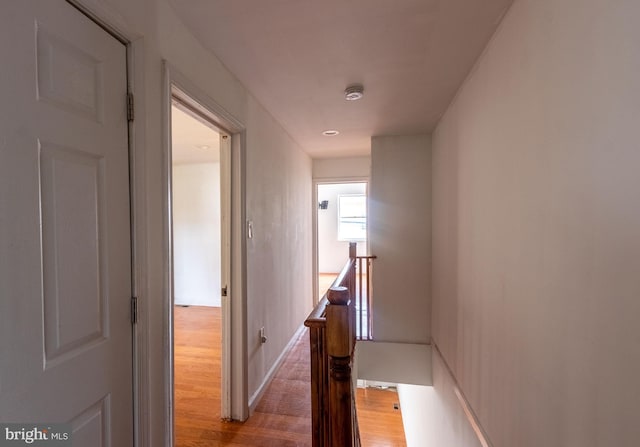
<point x="278" y="195"/>
<point x="537" y="228"/>
<point x="400" y="236"/>
<point x="327" y="169"/>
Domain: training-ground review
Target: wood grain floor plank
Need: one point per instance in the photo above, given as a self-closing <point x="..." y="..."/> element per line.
<point x="380" y="424"/>
<point x="282" y="417"/>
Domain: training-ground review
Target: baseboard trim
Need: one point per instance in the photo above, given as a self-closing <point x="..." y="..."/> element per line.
<point x="464" y="403"/>
<point x="255" y="398"/>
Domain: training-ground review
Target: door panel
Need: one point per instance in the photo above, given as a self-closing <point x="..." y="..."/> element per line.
<point x="68" y="77"/>
<point x="74" y="263"/>
<point x="65" y="270"/>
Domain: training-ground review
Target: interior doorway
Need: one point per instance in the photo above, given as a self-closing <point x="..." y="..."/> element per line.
<point x="341" y="218"/>
<point x="200" y="235"/>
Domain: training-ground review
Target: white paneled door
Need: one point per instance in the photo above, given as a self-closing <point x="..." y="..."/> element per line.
<point x="65" y="269"/>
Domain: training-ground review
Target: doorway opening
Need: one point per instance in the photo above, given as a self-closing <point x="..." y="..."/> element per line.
<point x="200" y="235"/>
<point x="341" y="219"/>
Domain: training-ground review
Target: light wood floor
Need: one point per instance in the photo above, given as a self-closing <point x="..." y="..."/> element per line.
<point x="380" y="424"/>
<point x="282" y="417"/>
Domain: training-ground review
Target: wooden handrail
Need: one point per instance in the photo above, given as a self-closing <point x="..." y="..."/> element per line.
<point x="317" y="314"/>
<point x="332" y="337"/>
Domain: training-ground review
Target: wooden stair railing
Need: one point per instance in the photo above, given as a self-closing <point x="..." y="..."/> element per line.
<point x="332" y="333"/>
<point x="362" y="296"/>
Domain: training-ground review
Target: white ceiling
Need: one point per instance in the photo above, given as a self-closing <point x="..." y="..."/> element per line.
<point x="192" y="140"/>
<point x="298" y="56"/>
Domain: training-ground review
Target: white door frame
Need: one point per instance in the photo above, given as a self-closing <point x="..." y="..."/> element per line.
<point x="316" y="248"/>
<point x="234" y="393"/>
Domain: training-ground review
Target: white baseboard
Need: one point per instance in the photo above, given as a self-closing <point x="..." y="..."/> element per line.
<point x="471" y="416"/>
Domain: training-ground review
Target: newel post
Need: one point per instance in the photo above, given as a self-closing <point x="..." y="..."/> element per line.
<point x="339" y="344"/>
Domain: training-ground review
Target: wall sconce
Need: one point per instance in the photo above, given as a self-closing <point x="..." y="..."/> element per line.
<point x="323" y="205"/>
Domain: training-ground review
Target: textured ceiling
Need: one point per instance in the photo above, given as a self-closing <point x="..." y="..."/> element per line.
<point x="297" y="57"/>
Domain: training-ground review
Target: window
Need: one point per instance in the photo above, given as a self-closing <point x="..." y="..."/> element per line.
<point x="352" y="217"/>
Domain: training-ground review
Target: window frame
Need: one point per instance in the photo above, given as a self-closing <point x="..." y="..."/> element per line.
<point x="340" y="236"/>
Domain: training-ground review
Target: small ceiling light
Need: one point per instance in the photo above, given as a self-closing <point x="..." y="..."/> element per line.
<point x="354" y="92"/>
<point x="203" y="146"/>
<point x="330" y="133"/>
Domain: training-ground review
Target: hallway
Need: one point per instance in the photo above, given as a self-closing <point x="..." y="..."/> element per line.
<point x="282" y="418"/>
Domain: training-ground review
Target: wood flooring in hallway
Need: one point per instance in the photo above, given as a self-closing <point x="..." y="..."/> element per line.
<point x="282" y="418"/>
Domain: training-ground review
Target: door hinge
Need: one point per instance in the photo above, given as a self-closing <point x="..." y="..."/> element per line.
<point x="224" y="291"/>
<point x="129" y="106"/>
<point x="134" y="309"/>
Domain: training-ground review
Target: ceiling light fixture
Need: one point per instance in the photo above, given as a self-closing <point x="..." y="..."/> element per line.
<point x="330" y="133"/>
<point x="203" y="146"/>
<point x="354" y="92"/>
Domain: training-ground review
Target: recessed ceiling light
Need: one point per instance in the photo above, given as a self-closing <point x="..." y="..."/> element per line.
<point x="354" y="92"/>
<point x="203" y="146"/>
<point x="330" y="133"/>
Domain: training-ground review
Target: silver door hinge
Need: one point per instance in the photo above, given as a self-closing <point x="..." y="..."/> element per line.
<point x="224" y="291"/>
<point x="134" y="309"/>
<point x="129" y="106"/>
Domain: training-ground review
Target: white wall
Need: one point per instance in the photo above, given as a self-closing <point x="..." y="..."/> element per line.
<point x="279" y="286"/>
<point x="433" y="416"/>
<point x="400" y="236"/>
<point x="329" y="169"/>
<point x="275" y="166"/>
<point x="537" y="228"/>
<point x="394" y="362"/>
<point x="196" y="234"/>
<point x="332" y="253"/>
